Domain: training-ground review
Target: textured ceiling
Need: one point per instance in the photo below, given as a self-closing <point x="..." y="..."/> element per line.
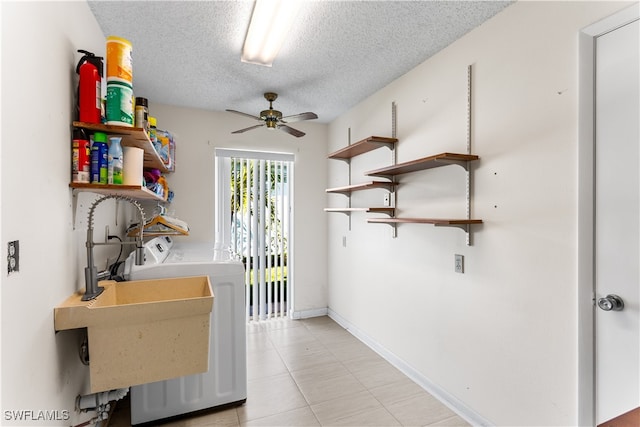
<point x="337" y="53"/>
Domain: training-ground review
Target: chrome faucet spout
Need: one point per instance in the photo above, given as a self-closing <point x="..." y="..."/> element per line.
<point x="92" y="290"/>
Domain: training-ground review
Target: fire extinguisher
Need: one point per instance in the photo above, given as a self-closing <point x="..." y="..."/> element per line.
<point x="90" y="87"/>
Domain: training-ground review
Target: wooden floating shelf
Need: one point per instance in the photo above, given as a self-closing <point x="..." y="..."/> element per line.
<point x="434" y="221"/>
<point x="364" y="146"/>
<point x="131" y="137"/>
<point x="364" y="186"/>
<point x="134" y="191"/>
<point x="424" y="163"/>
<point x="385" y="210"/>
<point x="439" y="222"/>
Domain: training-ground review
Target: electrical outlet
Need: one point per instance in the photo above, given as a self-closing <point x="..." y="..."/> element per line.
<point x="459" y="265"/>
<point x="387" y="199"/>
<point x="13" y="256"/>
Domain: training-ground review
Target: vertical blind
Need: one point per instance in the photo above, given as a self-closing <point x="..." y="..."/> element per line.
<point x="260" y="209"/>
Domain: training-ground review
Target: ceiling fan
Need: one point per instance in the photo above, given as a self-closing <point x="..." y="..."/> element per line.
<point x="273" y="118"/>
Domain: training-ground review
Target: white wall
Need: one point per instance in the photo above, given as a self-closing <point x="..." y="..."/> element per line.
<point x="502" y="337"/>
<point x="40" y="369"/>
<point x="199" y="132"/>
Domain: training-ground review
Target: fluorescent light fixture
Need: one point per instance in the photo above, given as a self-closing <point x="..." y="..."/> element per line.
<point x="270" y="23"/>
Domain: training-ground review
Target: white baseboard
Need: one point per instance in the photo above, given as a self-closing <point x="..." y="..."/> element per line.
<point x="436" y="391"/>
<point x="305" y="314"/>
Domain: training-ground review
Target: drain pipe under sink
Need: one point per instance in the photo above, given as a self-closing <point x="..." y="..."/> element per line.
<point x="100" y="402"/>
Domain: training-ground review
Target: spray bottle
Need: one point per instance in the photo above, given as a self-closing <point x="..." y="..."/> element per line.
<point x="116" y="161"/>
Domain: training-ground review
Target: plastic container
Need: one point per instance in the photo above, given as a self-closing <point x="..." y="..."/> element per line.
<point x="153" y="136"/>
<point x="142" y="113"/>
<point x="115" y="161"/>
<point x="99" y="154"/>
<point x="119" y="103"/>
<point x="172" y="154"/>
<point x="81" y="157"/>
<point x="119" y="60"/>
<point x="163" y="144"/>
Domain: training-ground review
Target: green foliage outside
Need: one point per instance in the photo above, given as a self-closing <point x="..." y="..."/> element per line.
<point x="275" y="274"/>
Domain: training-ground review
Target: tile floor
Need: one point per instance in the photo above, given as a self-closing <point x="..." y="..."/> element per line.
<point x="312" y="372"/>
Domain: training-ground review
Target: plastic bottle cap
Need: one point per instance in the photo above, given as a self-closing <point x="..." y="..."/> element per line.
<point x="99" y="137"/>
<point x="152" y="121"/>
<point x="118" y="39"/>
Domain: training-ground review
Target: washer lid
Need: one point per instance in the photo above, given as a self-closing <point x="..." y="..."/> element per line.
<point x="191" y="253"/>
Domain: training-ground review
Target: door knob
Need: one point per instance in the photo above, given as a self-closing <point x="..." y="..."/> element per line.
<point x="611" y="303"/>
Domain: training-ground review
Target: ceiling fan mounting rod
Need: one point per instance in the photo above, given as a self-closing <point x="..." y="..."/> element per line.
<point x="270" y="96"/>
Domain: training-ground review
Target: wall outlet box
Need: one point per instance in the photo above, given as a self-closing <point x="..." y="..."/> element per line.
<point x="459" y="263"/>
<point x="13" y="256"/>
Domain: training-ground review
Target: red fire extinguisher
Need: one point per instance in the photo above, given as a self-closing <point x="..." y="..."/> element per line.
<point x="90" y="87"/>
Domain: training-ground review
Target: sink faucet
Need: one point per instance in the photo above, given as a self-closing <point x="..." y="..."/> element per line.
<point x="92" y="289"/>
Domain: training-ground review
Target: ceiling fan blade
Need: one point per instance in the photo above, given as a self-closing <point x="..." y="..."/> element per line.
<point x="299" y="117"/>
<point x="291" y="131"/>
<point x="249" y="128"/>
<point x="245" y="114"/>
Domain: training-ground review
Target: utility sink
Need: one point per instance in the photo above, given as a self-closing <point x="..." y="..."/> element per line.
<point x="143" y="331"/>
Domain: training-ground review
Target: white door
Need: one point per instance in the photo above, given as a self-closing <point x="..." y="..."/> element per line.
<point x="617" y="230"/>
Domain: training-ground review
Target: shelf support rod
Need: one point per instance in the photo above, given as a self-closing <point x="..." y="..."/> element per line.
<point x="349" y="177"/>
<point x="74" y="206"/>
<point x="469" y="114"/>
<point x="394" y="134"/>
<point x="394" y="130"/>
<point x="468" y="164"/>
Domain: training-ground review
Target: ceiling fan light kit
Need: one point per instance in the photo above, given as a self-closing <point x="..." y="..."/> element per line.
<point x="273" y="119"/>
<point x="270" y="23"/>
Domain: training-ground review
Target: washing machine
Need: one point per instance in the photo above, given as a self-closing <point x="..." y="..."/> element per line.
<point x="225" y="383"/>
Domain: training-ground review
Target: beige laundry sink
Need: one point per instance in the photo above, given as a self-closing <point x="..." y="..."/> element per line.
<point x="144" y="330"/>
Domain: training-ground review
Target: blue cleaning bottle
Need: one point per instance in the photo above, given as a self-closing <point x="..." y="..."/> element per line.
<point x="116" y="161"/>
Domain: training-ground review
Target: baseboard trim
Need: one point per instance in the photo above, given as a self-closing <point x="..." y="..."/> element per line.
<point x="439" y="393"/>
<point x="305" y="314"/>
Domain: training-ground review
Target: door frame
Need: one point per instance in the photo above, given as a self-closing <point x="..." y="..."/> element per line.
<point x="586" y="207"/>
